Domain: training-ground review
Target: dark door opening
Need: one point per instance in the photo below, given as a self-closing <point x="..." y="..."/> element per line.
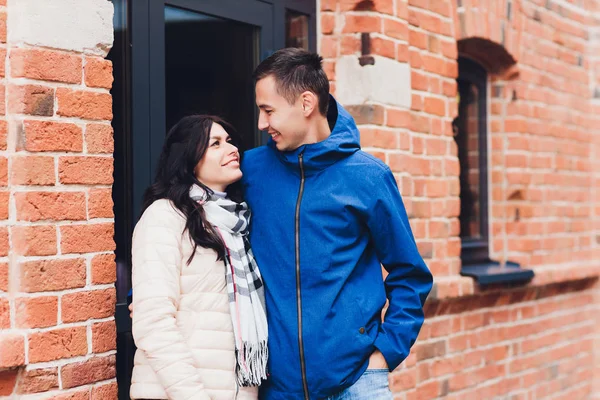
<point x="173" y="58"/>
<point x="208" y="76"/>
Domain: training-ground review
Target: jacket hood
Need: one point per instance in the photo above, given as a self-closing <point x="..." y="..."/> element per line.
<point x="343" y="141"/>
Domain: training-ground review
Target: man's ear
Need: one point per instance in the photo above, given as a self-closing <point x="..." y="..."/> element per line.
<point x="310" y="102"/>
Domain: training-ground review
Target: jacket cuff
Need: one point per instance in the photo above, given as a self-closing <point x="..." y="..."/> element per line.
<point x="392" y="357"/>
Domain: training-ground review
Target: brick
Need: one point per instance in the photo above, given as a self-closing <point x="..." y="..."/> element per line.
<point x="13" y="350"/>
<point x="402" y="10"/>
<point x="3" y="171"/>
<point x="100" y="203"/>
<point x="329" y="47"/>
<point x="33" y="170"/>
<point x="378" y="138"/>
<point x="433" y="64"/>
<point x="383" y="47"/>
<point x="328" y="5"/>
<point x="416" y="102"/>
<point x="417" y="39"/>
<point x="419" y="81"/>
<point x="84" y="104"/>
<point x="36" y="312"/>
<point x="52" y="275"/>
<point x="4" y="243"/>
<point x="367" y="114"/>
<point x="104" y="337"/>
<point x="57" y="344"/>
<point x="4" y="197"/>
<point x="45" y="65"/>
<point x="85" y="170"/>
<point x="362" y="23"/>
<point x="93" y="370"/>
<point x="82" y="306"/>
<point x="3" y="133"/>
<point x="395" y="29"/>
<point x="403" y="380"/>
<point x="4" y="277"/>
<point x="2" y="27"/>
<point x="2" y="65"/>
<point x="104" y="269"/>
<point x="350" y="44"/>
<point x="51" y="136"/>
<point x="4" y="313"/>
<point x="98" y="72"/>
<point x="105" y="392"/>
<point x="38" y="380"/>
<point x="2" y="96"/>
<point x="429" y="390"/>
<point x="436" y="106"/>
<point x="398" y="118"/>
<point x="327" y="24"/>
<point x="50" y="206"/>
<point x="89" y="238"/>
<point x="34" y="240"/>
<point x="8" y="378"/>
<point x="402" y="53"/>
<point x="31" y="100"/>
<point x="430" y="350"/>
<point x="99" y="138"/>
<point x="83" y="394"/>
<point x="449" y="49"/>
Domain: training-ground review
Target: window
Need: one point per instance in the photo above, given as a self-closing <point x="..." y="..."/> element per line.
<point x="296" y="30"/>
<point x="471" y="139"/>
<point x="470" y="134"/>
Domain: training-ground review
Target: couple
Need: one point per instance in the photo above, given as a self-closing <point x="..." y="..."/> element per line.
<point x="325" y="217"/>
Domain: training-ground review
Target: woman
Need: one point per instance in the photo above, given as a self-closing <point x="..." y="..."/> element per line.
<point x="198" y="311"/>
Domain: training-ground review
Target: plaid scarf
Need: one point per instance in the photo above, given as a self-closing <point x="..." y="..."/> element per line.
<point x="244" y="285"/>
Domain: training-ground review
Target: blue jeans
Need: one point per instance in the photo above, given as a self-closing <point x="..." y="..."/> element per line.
<point x="372" y="385"/>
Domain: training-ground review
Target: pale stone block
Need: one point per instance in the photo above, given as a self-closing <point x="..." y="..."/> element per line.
<point x="76" y="25"/>
<point x="386" y="82"/>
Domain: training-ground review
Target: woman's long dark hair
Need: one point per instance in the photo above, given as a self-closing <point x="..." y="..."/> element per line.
<point x="184" y="147"/>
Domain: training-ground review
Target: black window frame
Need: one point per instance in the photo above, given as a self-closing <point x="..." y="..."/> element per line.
<point x="475" y="252"/>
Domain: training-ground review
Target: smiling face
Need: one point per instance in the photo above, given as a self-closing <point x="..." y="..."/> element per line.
<point x="286" y="123"/>
<point x="220" y="165"/>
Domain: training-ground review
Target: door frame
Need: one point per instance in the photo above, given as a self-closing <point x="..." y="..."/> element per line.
<point x="148" y="80"/>
<point x="141" y="131"/>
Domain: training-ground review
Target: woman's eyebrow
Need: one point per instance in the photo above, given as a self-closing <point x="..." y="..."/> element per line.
<point x="219" y="137"/>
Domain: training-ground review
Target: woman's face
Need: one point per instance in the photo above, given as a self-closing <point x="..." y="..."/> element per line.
<point x="220" y="166"/>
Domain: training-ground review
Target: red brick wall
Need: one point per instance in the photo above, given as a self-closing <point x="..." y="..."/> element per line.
<point x="544" y="132"/>
<point x="57" y="298"/>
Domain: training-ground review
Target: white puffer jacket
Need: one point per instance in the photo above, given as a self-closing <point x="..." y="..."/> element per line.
<point x="181" y="321"/>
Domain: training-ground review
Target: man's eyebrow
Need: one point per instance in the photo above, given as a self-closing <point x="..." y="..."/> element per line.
<point x="264" y="106"/>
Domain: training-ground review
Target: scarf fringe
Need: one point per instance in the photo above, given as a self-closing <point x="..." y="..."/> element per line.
<point x="255" y="369"/>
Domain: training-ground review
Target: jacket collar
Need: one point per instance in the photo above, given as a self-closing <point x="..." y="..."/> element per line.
<point x="343" y="141"/>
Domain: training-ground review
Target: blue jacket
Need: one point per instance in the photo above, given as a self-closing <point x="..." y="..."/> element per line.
<point x="319" y="242"/>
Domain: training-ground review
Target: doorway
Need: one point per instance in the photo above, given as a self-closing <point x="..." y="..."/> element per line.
<point x="178" y="57"/>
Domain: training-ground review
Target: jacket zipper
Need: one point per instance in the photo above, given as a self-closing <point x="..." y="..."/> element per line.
<point x="298" y="291"/>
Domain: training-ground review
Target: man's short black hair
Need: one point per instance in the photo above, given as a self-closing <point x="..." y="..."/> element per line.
<point x="295" y="71"/>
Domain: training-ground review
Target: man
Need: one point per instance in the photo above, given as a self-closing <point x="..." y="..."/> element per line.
<point x="325" y="217"/>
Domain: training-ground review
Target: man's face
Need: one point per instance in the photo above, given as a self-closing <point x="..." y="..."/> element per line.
<point x="286" y="123"/>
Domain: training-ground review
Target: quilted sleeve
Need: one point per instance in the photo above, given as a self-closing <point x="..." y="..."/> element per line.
<point x="157" y="259"/>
